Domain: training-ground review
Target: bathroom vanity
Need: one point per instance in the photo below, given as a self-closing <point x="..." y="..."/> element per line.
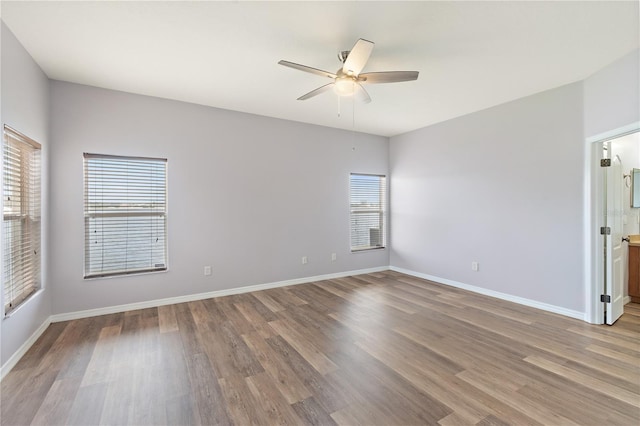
<point x="634" y="270"/>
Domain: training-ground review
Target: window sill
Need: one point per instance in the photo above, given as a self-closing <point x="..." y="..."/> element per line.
<point x="23" y="303"/>
<point x="129" y="274"/>
<point x="364" y="250"/>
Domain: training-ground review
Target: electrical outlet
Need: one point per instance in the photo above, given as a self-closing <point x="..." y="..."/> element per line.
<point x="333" y="257"/>
<point x="207" y="270"/>
<point x="475" y="266"/>
<point x="304" y="260"/>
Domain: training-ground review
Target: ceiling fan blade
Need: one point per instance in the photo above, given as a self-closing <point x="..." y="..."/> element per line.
<point x="387" y="77"/>
<point x="316" y="92"/>
<point x="362" y="94"/>
<point x="358" y="57"/>
<point x="307" y="69"/>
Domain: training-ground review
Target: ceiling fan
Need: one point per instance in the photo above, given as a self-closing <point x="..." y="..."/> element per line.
<point x="348" y="80"/>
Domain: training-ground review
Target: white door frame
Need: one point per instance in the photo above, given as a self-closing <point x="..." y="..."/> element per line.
<point x="593" y="219"/>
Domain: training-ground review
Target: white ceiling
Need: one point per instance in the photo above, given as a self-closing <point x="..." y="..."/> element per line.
<point x="471" y="55"/>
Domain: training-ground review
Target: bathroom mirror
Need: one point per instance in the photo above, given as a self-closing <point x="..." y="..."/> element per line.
<point x="635" y="188"/>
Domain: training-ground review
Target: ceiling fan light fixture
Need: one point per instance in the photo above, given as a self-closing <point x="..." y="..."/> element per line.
<point x="345" y="86"/>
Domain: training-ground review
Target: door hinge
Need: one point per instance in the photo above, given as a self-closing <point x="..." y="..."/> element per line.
<point x="605" y="230"/>
<point x="605" y="298"/>
<point x="605" y="162"/>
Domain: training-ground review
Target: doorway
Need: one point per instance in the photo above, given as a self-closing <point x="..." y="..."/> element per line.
<point x="612" y="218"/>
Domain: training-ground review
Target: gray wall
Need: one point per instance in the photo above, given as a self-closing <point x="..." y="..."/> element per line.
<point x="503" y="187"/>
<point x="612" y="96"/>
<point x="25" y="107"/>
<point x="248" y="195"/>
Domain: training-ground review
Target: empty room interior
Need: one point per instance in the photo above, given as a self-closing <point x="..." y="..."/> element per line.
<point x="352" y="213"/>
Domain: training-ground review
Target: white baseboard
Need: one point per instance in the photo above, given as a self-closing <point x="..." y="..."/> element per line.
<point x="504" y="296"/>
<point x="208" y="295"/>
<point x="627" y="299"/>
<point x="11" y="362"/>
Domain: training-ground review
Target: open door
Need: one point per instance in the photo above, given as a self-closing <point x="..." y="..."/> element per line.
<point x="614" y="265"/>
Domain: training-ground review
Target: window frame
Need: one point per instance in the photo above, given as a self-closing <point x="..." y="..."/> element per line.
<point x="88" y="273"/>
<point x="30" y="217"/>
<point x="381" y="211"/>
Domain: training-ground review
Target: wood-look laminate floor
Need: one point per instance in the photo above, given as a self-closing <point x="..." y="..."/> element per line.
<point x="377" y="349"/>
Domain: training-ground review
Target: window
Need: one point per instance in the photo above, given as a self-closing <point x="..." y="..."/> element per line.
<point x="21" y="218"/>
<point x="367" y="199"/>
<point x="125" y="215"/>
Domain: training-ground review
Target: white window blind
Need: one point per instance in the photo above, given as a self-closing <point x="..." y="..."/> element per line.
<point x="21" y="218"/>
<point x="367" y="199"/>
<point x="125" y="213"/>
